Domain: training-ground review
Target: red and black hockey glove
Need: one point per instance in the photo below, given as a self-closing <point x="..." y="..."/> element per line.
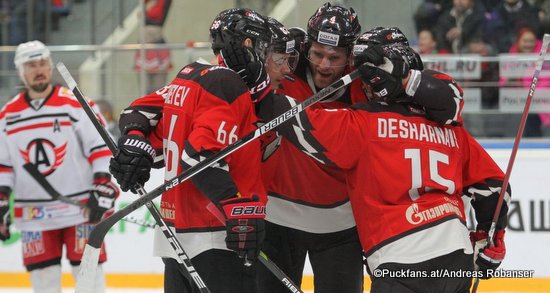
<point x="383" y="68"/>
<point x="103" y="196"/>
<point x="245" y="226"/>
<point x="250" y="67"/>
<point x="5" y="220"/>
<point x="487" y="257"/>
<point x="132" y="163"/>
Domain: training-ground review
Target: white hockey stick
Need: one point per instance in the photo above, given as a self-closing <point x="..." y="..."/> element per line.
<point x="88" y="265"/>
<point x="41" y="179"/>
<point x="91" y="251"/>
<point x="532" y="87"/>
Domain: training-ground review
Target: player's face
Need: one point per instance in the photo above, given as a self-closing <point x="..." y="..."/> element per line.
<point x="277" y="67"/>
<point x="327" y="63"/>
<point x="37" y="74"/>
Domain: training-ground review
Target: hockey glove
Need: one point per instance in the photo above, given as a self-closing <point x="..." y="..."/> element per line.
<point x="103" y="196"/>
<point x="487" y="257"/>
<point x="383" y="69"/>
<point x="132" y="163"/>
<point x="5" y="220"/>
<point x="246" y="62"/>
<point x="245" y="226"/>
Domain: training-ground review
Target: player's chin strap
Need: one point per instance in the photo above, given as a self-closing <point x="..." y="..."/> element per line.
<point x="87" y="271"/>
<point x="532" y="87"/>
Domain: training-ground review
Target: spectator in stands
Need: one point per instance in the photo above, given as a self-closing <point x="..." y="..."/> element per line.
<point x="543" y="8"/>
<point x="427" y="43"/>
<point x="489" y="73"/>
<point x="528" y="43"/>
<point x="59" y="8"/>
<point x="511" y="15"/>
<point x="18" y="28"/>
<point x="111" y="122"/>
<point x="428" y="12"/>
<point x="485" y="125"/>
<point x="157" y="61"/>
<point x="459" y="25"/>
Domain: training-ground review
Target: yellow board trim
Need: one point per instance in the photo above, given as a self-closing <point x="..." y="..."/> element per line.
<point x="22" y="280"/>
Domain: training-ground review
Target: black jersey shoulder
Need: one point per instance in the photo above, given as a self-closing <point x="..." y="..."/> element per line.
<point x="220" y="81"/>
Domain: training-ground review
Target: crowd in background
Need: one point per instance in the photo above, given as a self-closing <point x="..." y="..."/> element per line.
<point x="483" y="27"/>
<point x="487" y="28"/>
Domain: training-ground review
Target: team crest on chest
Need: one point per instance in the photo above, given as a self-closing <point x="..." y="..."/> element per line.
<point x="45" y="155"/>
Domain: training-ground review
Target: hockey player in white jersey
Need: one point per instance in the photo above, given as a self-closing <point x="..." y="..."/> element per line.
<point x="45" y="125"/>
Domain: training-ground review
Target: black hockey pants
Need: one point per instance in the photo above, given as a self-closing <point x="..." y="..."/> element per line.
<point x="221" y="270"/>
<point x="336" y="259"/>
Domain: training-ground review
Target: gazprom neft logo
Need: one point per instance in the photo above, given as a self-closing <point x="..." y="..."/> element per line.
<point x="328" y="39"/>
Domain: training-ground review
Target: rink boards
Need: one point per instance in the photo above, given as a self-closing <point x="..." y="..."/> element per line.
<point x="131" y="265"/>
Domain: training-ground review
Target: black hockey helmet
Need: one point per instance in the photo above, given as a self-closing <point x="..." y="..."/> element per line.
<point x="299" y="36"/>
<point x="282" y="42"/>
<point x="238" y="24"/>
<point x="389" y="37"/>
<point x="281" y="39"/>
<point x="333" y="25"/>
<point x="383" y="35"/>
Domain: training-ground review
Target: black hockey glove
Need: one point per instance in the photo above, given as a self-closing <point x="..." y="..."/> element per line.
<point x="5" y="220"/>
<point x="103" y="196"/>
<point x="487" y="258"/>
<point x="132" y="163"/>
<point x="246" y="62"/>
<point x="245" y="226"/>
<point x="383" y="68"/>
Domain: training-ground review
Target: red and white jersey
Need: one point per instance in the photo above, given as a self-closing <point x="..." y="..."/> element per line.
<point x="54" y="134"/>
<point x="303" y="193"/>
<point x="405" y="177"/>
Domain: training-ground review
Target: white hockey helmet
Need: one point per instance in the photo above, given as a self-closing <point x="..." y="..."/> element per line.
<point x="30" y="51"/>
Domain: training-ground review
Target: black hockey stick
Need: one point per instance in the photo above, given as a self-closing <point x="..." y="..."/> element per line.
<point x="91" y="251"/>
<point x="538" y="68"/>
<point x="86" y="275"/>
<point x="54" y="194"/>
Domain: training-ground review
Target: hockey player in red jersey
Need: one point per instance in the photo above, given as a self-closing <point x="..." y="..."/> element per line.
<point x="308" y="208"/>
<point x="46" y="126"/>
<point x="405" y="176"/>
<point x="204" y="109"/>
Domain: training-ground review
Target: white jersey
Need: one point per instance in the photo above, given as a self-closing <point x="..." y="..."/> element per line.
<point x="56" y="136"/>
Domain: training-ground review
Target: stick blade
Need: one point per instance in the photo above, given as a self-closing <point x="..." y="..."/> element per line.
<point x="85" y="281"/>
<point x="71" y="83"/>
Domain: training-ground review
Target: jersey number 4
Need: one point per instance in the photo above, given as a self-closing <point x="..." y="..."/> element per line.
<point x="434" y="158"/>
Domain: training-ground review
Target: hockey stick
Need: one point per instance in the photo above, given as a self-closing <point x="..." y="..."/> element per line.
<point x="532" y="87"/>
<point x="91" y="251"/>
<point x="88" y="265"/>
<point x="36" y="175"/>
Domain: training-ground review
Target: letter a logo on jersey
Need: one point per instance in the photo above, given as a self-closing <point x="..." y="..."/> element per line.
<point x="44" y="155"/>
<point x="56" y="126"/>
